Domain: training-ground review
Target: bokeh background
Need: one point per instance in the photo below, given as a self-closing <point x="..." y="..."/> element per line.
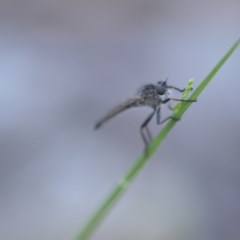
<point x="63" y="64"/>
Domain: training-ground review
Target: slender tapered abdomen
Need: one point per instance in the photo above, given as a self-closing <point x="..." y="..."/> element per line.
<point x="132" y="102"/>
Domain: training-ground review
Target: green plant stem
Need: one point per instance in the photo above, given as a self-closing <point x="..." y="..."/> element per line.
<point x="119" y="189"/>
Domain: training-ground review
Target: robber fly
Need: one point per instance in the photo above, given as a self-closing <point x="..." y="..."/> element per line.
<point x="152" y="95"/>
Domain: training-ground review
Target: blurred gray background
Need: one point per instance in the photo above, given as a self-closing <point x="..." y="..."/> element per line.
<point x="63" y="64"/>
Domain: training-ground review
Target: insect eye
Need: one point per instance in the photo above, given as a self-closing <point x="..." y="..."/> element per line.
<point x="161" y="87"/>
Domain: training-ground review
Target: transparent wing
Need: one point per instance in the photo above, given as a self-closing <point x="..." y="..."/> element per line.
<point x="132" y="102"/>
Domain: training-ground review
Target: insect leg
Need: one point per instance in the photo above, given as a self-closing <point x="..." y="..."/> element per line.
<point x="183" y="100"/>
<point x="158" y="115"/>
<point x="149" y="135"/>
<point x="146" y="138"/>
<point x="178" y="89"/>
<point x="172" y="117"/>
<point x="168" y="118"/>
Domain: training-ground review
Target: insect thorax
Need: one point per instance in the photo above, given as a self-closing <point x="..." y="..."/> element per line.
<point x="149" y="95"/>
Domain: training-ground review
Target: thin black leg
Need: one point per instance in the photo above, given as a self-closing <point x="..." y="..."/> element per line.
<point x="146" y="138"/>
<point x="178" y="89"/>
<point x="172" y="117"/>
<point x="168" y="118"/>
<point x="158" y="115"/>
<point x="183" y="100"/>
<point x="149" y="135"/>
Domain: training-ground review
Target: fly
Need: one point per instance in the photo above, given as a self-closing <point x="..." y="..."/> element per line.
<point x="152" y="95"/>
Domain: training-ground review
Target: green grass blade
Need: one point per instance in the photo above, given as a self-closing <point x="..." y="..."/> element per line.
<point x="209" y="77"/>
<point x="119" y="189"/>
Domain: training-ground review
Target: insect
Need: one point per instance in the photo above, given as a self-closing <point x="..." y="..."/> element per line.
<point x="152" y="95"/>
